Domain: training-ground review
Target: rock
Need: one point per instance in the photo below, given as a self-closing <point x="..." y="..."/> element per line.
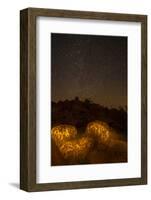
<point x="62" y="133"/>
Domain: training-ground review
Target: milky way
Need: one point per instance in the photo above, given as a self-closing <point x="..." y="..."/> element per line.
<point x="93" y="67"/>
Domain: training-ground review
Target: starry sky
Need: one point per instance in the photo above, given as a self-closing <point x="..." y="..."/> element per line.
<point x="89" y="66"/>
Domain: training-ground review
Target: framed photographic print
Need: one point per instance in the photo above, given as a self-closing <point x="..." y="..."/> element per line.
<point x="83" y="93"/>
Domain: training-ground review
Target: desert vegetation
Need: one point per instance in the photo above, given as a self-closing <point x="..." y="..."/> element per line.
<point x="87" y="136"/>
<point x="62" y="133"/>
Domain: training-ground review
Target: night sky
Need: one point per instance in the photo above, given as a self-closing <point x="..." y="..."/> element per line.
<point x="88" y="66"/>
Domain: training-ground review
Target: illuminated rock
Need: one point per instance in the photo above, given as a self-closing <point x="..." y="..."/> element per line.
<point x="107" y="140"/>
<point x="62" y="133"/>
<point x="99" y="130"/>
<point x="99" y="144"/>
<point x="77" y="149"/>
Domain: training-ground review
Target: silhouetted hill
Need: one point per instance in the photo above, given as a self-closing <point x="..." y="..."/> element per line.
<point x="80" y="113"/>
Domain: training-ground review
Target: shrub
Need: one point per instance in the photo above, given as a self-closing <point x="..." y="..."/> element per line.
<point x="62" y="133"/>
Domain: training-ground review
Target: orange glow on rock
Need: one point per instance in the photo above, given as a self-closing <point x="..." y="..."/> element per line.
<point x="99" y="130"/>
<point x="62" y="133"/>
<point x="77" y="149"/>
<point x="99" y="143"/>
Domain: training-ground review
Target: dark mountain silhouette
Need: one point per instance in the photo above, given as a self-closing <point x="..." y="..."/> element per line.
<point x="80" y="113"/>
